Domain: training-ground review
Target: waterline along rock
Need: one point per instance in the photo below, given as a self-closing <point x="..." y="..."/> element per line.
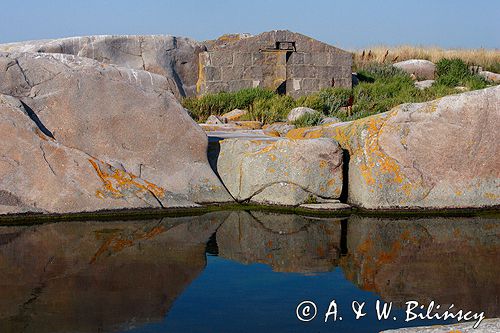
<point x="281" y="171"/>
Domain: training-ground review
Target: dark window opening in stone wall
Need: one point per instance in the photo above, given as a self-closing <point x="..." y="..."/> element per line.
<point x="281" y="90"/>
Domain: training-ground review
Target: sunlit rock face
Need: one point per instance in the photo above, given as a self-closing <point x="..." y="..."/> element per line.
<point x="280" y="171"/>
<point x="287" y="243"/>
<point x="450" y="261"/>
<point x="438" y="154"/>
<point x="123" y="124"/>
<point x="175" y="58"/>
<point x="420" y="69"/>
<point x="98" y="276"/>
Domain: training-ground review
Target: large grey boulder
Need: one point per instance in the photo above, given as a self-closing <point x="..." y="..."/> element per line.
<point x="38" y="174"/>
<point x="280" y="171"/>
<point x="438" y="154"/>
<point x="422" y="69"/>
<point x="124" y="118"/>
<point x="175" y="58"/>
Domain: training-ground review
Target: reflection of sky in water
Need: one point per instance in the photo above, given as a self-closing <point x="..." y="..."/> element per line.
<point x="232" y="297"/>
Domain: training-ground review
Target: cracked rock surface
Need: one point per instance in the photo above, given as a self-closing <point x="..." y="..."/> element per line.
<point x="438" y="154"/>
<point x="175" y="58"/>
<point x="39" y="174"/>
<point x="82" y="136"/>
<point x="280" y="171"/>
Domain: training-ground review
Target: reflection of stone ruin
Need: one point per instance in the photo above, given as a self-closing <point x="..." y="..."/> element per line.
<point x="282" y="61"/>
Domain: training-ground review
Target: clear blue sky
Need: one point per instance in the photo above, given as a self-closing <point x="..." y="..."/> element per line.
<point x="348" y="24"/>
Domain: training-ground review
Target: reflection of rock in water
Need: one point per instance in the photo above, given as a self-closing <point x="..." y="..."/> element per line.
<point x="452" y="260"/>
<point x="288" y="243"/>
<point x="92" y="276"/>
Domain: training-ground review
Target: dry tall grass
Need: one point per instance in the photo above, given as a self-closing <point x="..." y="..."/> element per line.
<point x="489" y="59"/>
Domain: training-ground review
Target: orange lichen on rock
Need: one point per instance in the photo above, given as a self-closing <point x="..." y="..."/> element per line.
<point x="118" y="242"/>
<point x="201" y="75"/>
<point x="305" y="133"/>
<point x="116" y="182"/>
<point x="360" y="138"/>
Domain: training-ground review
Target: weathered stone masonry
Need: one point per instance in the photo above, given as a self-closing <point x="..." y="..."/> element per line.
<point x="284" y="61"/>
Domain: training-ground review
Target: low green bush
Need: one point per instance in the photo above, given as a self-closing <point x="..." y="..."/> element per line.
<point x="382" y="95"/>
<point x="270" y="110"/>
<point x="328" y="100"/>
<point x="219" y="103"/>
<point x="372" y="72"/>
<point x="455" y="72"/>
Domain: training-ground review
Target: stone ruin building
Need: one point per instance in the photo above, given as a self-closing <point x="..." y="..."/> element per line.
<point x="286" y="62"/>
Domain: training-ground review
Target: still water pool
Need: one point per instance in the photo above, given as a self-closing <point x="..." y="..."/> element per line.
<point x="242" y="271"/>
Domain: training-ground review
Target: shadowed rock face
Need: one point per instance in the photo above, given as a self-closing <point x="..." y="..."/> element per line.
<point x="287" y="243"/>
<point x="123" y="118"/>
<point x="453" y="260"/>
<point x="175" y="58"/>
<point x="95" y="276"/>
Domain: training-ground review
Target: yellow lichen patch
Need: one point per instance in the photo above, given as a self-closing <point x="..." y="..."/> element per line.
<point x="491" y="196"/>
<point x="366" y="172"/>
<point x="273" y="133"/>
<point x="272" y="157"/>
<point x="458" y="193"/>
<point x="431" y="106"/>
<point x="305" y="133"/>
<point x="360" y="138"/>
<point x="271" y="170"/>
<point x="201" y="75"/>
<point x="116" y="182"/>
<point x="250" y="124"/>
<point x="323" y="164"/>
<point x="228" y="38"/>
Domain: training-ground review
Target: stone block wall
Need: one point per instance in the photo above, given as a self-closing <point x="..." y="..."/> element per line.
<point x="256" y="62"/>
